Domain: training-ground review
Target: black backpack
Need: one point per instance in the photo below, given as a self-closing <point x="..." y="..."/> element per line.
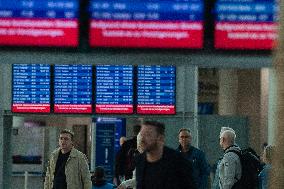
<point x="250" y="169"/>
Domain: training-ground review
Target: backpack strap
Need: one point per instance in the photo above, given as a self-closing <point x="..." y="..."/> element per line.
<point x="235" y="151"/>
<point x="239" y="155"/>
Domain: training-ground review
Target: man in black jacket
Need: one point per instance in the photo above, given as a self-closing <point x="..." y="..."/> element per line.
<point x="125" y="163"/>
<point x="160" y="167"/>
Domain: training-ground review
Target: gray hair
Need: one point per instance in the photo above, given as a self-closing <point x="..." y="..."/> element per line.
<point x="228" y="133"/>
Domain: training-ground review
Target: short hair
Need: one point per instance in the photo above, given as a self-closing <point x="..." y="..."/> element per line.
<point x="269" y="150"/>
<point x="99" y="175"/>
<point x="160" y="127"/>
<point x="229" y="134"/>
<point x="184" y="129"/>
<point x="136" y="129"/>
<point x="67" y="131"/>
<point x="223" y="129"/>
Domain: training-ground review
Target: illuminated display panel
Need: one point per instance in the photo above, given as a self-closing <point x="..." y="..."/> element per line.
<point x="247" y="24"/>
<point x="147" y="23"/>
<point x="114" y="89"/>
<point x="156" y="90"/>
<point x="39" y="23"/>
<point x="31" y="88"/>
<point x="72" y="89"/>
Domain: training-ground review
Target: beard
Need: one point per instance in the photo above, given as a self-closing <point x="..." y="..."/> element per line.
<point x="151" y="147"/>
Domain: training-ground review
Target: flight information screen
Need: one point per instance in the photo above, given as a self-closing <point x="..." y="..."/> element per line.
<point x="114" y="89"/>
<point x="72" y="89"/>
<point x="246" y="24"/>
<point x="31" y="88"/>
<point x="39" y="22"/>
<point x="147" y="23"/>
<point x="156" y="89"/>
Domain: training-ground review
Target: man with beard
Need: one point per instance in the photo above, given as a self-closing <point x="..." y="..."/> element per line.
<point x="160" y="167"/>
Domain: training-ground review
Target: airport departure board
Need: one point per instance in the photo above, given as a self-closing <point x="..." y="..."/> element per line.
<point x="72" y="89"/>
<point x="147" y="23"/>
<point x="31" y="88"/>
<point x="114" y="89"/>
<point x="39" y="23"/>
<point x="87" y="89"/>
<point x="156" y="89"/>
<point x="246" y="24"/>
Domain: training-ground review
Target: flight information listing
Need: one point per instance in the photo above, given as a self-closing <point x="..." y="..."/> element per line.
<point x="73" y="89"/>
<point x="31" y="88"/>
<point x="156" y="90"/>
<point x="114" y="89"/>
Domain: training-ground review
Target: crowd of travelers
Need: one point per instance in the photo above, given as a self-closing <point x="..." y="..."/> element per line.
<point x="145" y="162"/>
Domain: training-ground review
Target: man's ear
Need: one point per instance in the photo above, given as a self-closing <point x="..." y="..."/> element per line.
<point x="161" y="138"/>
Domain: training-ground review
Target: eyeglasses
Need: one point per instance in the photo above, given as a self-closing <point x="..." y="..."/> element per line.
<point x="183" y="136"/>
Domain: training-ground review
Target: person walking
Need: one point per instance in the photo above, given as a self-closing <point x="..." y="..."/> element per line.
<point x="160" y="167"/>
<point x="67" y="167"/>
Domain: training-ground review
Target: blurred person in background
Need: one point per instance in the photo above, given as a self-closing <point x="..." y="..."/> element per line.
<point x="122" y="140"/>
<point x="200" y="167"/>
<point x="264" y="174"/>
<point x="99" y="181"/>
<point x="124" y="164"/>
<point x="131" y="183"/>
<point x="160" y="167"/>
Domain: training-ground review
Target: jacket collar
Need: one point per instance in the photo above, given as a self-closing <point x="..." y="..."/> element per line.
<point x="72" y="153"/>
<point x="189" y="149"/>
<point x="230" y="147"/>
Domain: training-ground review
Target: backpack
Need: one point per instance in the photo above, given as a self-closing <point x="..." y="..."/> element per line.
<point x="250" y="169"/>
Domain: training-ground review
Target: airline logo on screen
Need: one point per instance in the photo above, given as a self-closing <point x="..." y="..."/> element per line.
<point x="249" y="25"/>
<point x="39" y="23"/>
<point x="149" y="24"/>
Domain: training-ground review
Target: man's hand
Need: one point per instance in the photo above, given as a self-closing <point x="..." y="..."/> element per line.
<point x="121" y="186"/>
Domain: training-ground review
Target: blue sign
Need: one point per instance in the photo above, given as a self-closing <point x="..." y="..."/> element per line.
<point x="105" y="134"/>
<point x="205" y="108"/>
<point x="120" y="128"/>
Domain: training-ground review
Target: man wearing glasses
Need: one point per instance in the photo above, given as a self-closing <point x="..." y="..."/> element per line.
<point x="200" y="167"/>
